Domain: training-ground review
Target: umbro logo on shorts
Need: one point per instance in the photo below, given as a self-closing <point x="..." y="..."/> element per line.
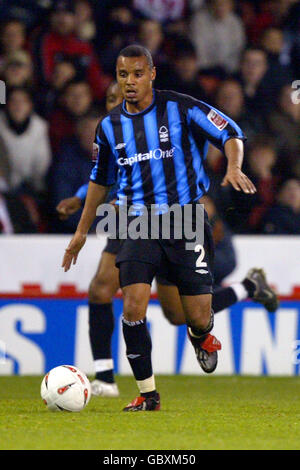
<point x="201" y="271"/>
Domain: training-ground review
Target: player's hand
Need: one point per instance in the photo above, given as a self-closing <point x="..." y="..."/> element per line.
<point x="72" y="251"/>
<point x="68" y="207"/>
<point x="239" y="181"/>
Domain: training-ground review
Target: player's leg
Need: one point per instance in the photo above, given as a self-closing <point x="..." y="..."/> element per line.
<point x="191" y="271"/>
<point x="170" y="301"/>
<point x="135" y="279"/>
<point x="223" y="297"/>
<point x="200" y="321"/>
<point x="102" y="289"/>
<point x="169" y="298"/>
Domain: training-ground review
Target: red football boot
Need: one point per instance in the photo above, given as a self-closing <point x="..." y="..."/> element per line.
<point x="206" y="351"/>
<point x="144" y="404"/>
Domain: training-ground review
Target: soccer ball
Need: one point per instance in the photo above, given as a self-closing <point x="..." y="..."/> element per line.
<point x="65" y="388"/>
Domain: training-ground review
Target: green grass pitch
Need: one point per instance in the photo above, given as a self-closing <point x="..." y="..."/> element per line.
<point x="197" y="413"/>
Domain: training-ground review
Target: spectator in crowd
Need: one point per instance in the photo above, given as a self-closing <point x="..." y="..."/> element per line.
<point x="272" y="40"/>
<point x="85" y="25"/>
<point x="61" y="40"/>
<point x="230" y="99"/>
<point x="31" y="13"/>
<point x="18" y="69"/>
<point x="120" y="31"/>
<point x="25" y="136"/>
<point x="273" y="43"/>
<point x="15" y="216"/>
<point x="12" y="39"/>
<point x="284" y="125"/>
<point x="256" y="81"/>
<point x="48" y="97"/>
<point x="284" y="217"/>
<point x="292" y="35"/>
<point x="4" y="167"/>
<point x="76" y="101"/>
<point x="151" y="36"/>
<point x="182" y="75"/>
<point x="268" y="13"/>
<point x="164" y="10"/>
<point x="73" y="167"/>
<point x="249" y="211"/>
<point x="218" y="35"/>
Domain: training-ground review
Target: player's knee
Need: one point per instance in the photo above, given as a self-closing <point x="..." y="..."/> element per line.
<point x="100" y="291"/>
<point x="201" y="319"/>
<point x="132" y="308"/>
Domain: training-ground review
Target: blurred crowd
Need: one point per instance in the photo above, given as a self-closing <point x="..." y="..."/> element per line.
<point x="57" y="59"/>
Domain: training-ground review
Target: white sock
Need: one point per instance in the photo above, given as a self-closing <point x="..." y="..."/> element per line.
<point x="101" y="365"/>
<point x="240" y="291"/>
<point x="147" y="385"/>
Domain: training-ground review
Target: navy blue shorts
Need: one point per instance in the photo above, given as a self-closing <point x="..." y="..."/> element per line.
<point x="141" y="260"/>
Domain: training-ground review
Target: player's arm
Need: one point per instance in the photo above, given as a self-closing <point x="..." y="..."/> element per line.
<point x="70" y="205"/>
<point x="227" y="136"/>
<point x="102" y="177"/>
<point x="234" y="151"/>
<point x="96" y="195"/>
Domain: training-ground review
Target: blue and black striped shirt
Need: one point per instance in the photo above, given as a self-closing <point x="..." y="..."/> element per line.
<point x="157" y="155"/>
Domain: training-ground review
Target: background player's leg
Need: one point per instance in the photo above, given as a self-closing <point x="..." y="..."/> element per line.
<point x="222" y="298"/>
<point x="102" y="289"/>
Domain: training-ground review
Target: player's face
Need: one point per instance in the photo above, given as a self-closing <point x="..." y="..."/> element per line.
<point x="135" y="79"/>
<point x="113" y="96"/>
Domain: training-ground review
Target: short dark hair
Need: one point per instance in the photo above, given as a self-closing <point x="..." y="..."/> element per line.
<point x="135" y="50"/>
<point x="12" y="20"/>
<point x="73" y="82"/>
<point x="253" y="48"/>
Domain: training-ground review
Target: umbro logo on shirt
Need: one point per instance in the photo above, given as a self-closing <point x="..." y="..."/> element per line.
<point x="120" y="146"/>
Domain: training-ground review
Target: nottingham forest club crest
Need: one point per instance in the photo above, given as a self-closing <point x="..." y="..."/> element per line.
<point x="163" y="134"/>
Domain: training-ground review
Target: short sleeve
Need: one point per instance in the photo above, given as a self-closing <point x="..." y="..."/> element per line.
<point x="105" y="169"/>
<point x="213" y="124"/>
<point x="82" y="192"/>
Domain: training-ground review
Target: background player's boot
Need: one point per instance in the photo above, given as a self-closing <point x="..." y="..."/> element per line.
<point x="144" y="404"/>
<point x="261" y="291"/>
<point x="206" y="351"/>
<point x="104" y="389"/>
